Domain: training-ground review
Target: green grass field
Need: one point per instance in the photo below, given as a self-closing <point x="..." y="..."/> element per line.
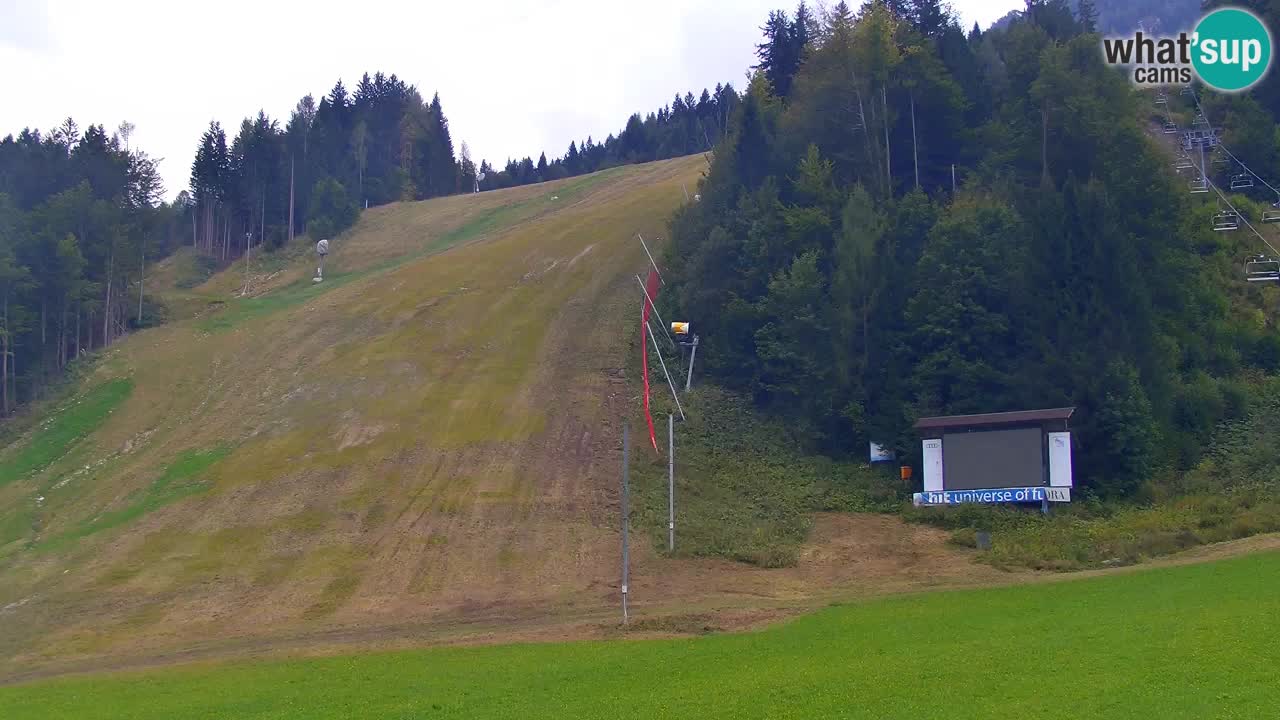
<point x="64" y="428"/>
<point x="1197" y="641"/>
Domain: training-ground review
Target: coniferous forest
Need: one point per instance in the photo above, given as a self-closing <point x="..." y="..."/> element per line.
<point x="900" y="217"/>
<point x="908" y="220"/>
<point x="81" y="213"/>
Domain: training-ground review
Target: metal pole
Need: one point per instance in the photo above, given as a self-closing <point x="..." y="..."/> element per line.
<point x="667" y="374"/>
<point x="655" y="265"/>
<point x="248" y="246"/>
<point x="693" y="353"/>
<point x="649" y="300"/>
<point x="671" y="482"/>
<point x="888" y="163"/>
<point x="915" y="152"/>
<point x="626" y="555"/>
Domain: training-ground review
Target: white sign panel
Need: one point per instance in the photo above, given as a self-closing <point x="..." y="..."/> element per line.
<point x="933" y="465"/>
<point x="1057" y="494"/>
<point x="1060" y="459"/>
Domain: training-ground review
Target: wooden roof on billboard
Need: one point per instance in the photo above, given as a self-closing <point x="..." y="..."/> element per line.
<point x="1000" y="418"/>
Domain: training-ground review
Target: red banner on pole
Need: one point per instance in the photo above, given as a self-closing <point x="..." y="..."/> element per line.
<point x="651" y="290"/>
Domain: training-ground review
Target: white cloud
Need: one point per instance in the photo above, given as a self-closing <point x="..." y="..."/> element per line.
<point x="515" y="79"/>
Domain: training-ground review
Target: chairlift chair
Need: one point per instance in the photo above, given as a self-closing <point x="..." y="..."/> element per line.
<point x="1242" y="181"/>
<point x="1186" y="90"/>
<point x="1170" y="128"/>
<point x="1162" y="99"/>
<point x="1226" y="221"/>
<point x="1261" y="268"/>
<point x="1220" y="159"/>
<point x="1183" y="163"/>
<point x="1199" y="186"/>
<point x="1272" y="214"/>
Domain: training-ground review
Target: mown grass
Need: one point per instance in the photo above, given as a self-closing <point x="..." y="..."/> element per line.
<point x="237" y="311"/>
<point x="1186" y="642"/>
<point x="240" y="310"/>
<point x="743" y="490"/>
<point x="505" y="216"/>
<point x="182" y="478"/>
<point x="66" y="426"/>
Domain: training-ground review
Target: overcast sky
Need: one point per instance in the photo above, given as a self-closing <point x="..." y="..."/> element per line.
<point x="515" y="78"/>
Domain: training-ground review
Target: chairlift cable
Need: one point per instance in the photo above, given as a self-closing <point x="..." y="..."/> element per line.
<point x="1237" y="160"/>
<point x="1247" y="224"/>
<point x="1204" y="175"/>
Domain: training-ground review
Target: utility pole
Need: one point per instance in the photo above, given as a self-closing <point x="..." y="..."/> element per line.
<point x="666" y="374"/>
<point x="290" y="200"/>
<point x="888" y="163"/>
<point x="248" y="239"/>
<point x="626" y="550"/>
<point x="671" y="482"/>
<point x="693" y="353"/>
<point x="915" y="152"/>
<point x="142" y="281"/>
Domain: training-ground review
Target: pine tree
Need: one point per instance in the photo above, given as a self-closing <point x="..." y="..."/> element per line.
<point x="572" y="161"/>
<point x="441" y="164"/>
<point x="778" y="60"/>
<point x="1087" y="12"/>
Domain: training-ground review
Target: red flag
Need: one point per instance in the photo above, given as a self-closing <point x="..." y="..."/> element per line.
<point x="651" y="291"/>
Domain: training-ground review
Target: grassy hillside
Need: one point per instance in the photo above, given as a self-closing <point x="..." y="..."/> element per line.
<point x="1186" y="642"/>
<point x="421" y="430"/>
<point x="422" y="447"/>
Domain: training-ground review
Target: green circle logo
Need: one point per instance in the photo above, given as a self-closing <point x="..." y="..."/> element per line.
<point x="1232" y="49"/>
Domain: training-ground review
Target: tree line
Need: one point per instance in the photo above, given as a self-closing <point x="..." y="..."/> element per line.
<point x="81" y="215"/>
<point x="906" y="220"/>
<point x="687" y="125"/>
<point x="379" y="144"/>
<point x="384" y="143"/>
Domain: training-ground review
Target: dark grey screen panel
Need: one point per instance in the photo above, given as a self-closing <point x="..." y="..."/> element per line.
<point x="993" y="459"/>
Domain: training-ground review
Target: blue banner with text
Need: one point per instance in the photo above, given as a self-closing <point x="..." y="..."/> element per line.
<point x="999" y="495"/>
